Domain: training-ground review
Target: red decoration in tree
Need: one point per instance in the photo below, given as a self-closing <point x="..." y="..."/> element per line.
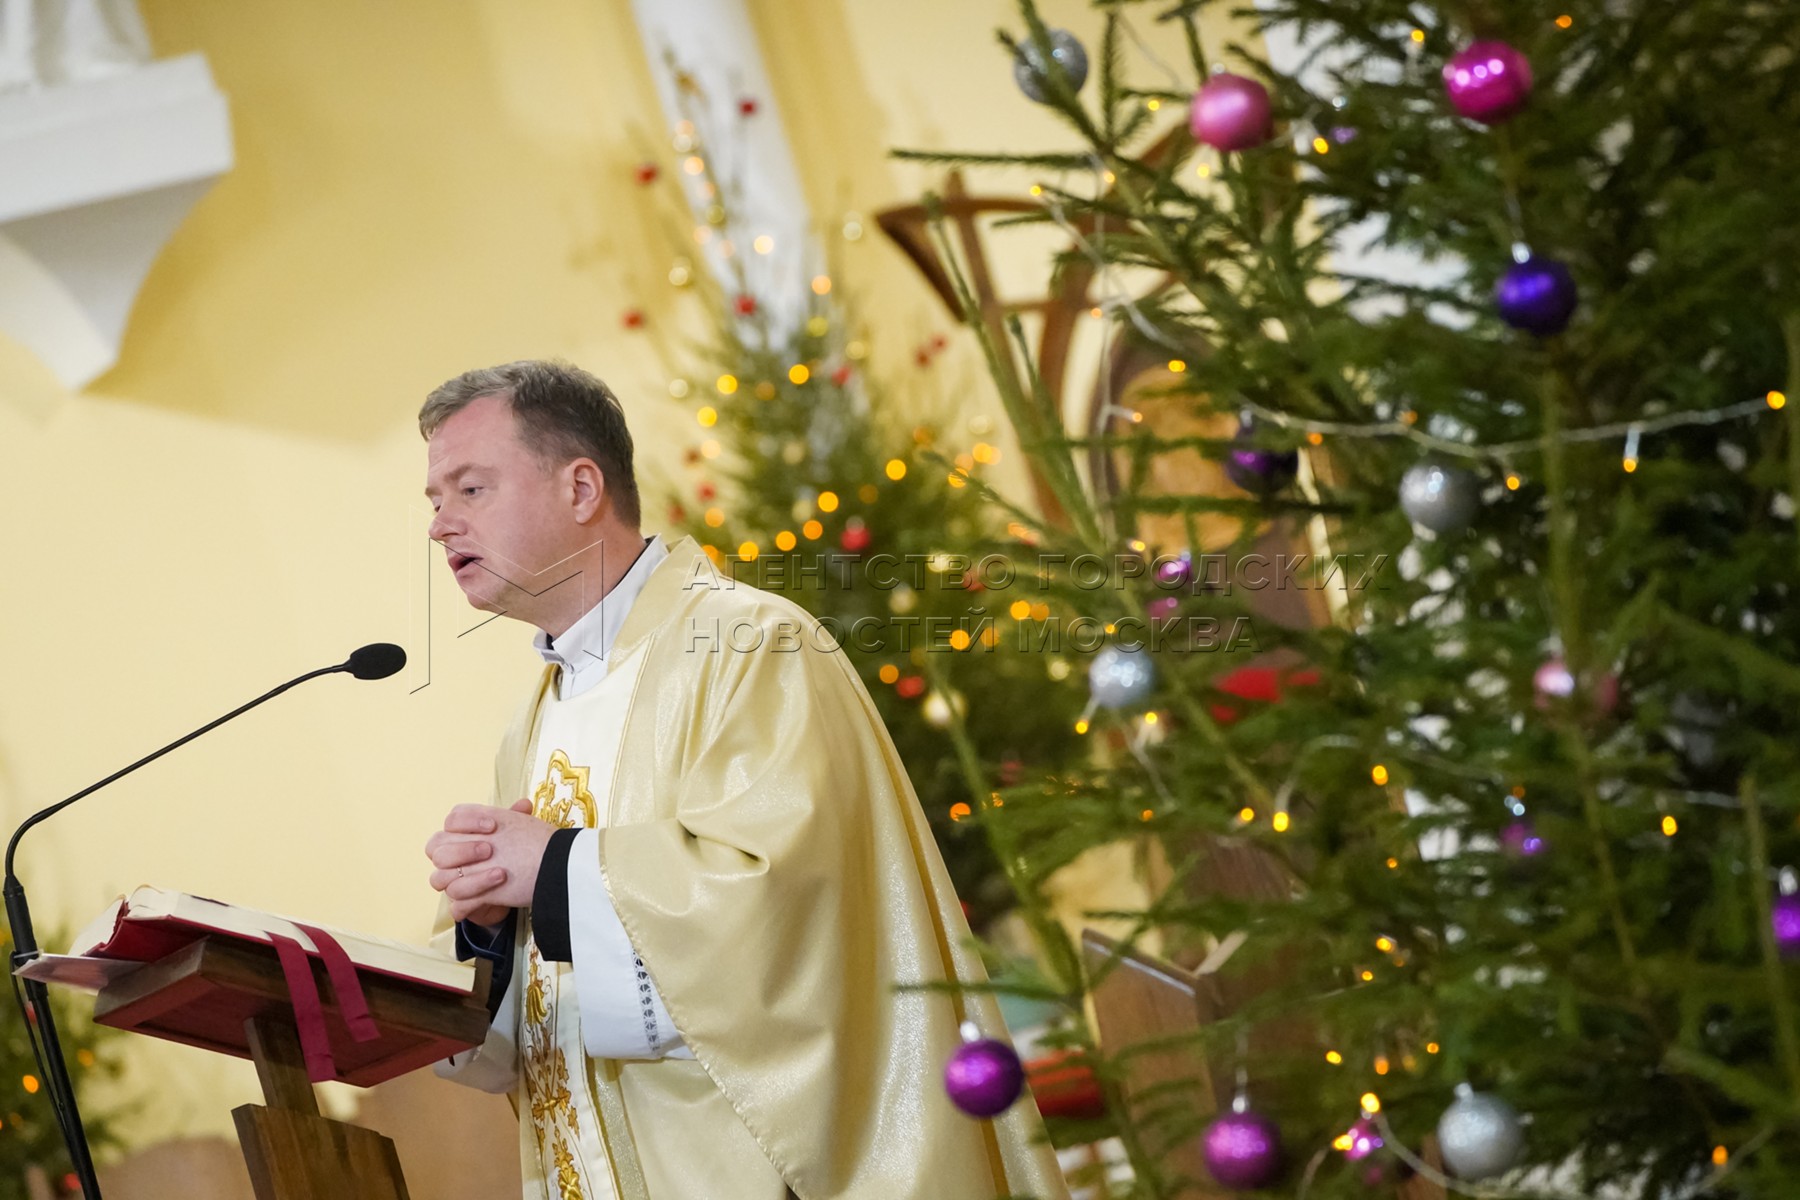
<point x="910" y="687"/>
<point x="922" y="356"/>
<point x="1011" y="769"/>
<point x="647" y="172"/>
<point x="1259" y="684"/>
<point x="746" y="306"/>
<point x="633" y="318"/>
<point x="747" y="107"/>
<point x="1064" y="1085"/>
<point x="707" y="492"/>
<point x="972" y="584"/>
<point x="677" y="514"/>
<point x="939" y="341"/>
<point x="855" y="538"/>
<point x="841" y="376"/>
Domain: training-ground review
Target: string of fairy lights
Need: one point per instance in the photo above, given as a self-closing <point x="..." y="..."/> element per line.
<point x="1116" y="299"/>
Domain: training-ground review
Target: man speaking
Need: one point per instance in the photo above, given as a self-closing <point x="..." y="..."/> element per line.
<point x="703" y="873"/>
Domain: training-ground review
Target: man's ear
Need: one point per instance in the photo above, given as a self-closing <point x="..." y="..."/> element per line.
<point x="587" y="488"/>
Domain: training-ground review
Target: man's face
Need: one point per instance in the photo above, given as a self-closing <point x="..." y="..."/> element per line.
<point x="502" y="518"/>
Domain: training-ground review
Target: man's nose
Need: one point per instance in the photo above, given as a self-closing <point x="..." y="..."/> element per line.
<point x="442" y="525"/>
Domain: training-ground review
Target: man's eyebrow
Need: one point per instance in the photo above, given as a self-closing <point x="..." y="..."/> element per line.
<point x="431" y="489"/>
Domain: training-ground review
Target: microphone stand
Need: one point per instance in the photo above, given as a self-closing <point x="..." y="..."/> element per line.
<point x="40" y="1023"/>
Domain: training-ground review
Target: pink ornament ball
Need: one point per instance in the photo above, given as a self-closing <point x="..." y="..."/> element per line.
<point x="1365" y="1139"/>
<point x="1555" y="684"/>
<point x="1784" y="915"/>
<point x="1488" y="82"/>
<point x="1242" y="1150"/>
<point x="1231" y="112"/>
<point x="984" y="1077"/>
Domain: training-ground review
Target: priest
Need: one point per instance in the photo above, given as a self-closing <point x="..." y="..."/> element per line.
<point x="708" y="889"/>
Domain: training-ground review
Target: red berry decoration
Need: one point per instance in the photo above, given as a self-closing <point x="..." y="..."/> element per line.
<point x="855" y="538"/>
<point x="633" y="319"/>
<point x="910" y="687"/>
<point x="647" y="173"/>
<point x="1488" y="82"/>
<point x="707" y="492"/>
<point x="747" y="107"/>
<point x="746" y="306"/>
<point x="677" y="514"/>
<point x="1232" y="112"/>
<point x="841" y="376"/>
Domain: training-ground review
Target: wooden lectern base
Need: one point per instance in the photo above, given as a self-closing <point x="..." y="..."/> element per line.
<point x="293" y="1152"/>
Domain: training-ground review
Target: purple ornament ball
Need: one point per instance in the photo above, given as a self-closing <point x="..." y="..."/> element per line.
<point x="1784" y="915"/>
<point x="1521" y="840"/>
<point x="1263" y="472"/>
<point x="1231" y="112"/>
<point x="1242" y="1150"/>
<point x="1488" y="82"/>
<point x="984" y="1077"/>
<point x="1537" y="295"/>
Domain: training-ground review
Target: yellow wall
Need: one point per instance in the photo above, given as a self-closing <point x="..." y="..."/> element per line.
<point x="421" y="187"/>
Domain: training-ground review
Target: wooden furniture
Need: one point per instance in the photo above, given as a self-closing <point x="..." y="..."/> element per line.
<point x="231" y="997"/>
<point x="1142" y="1001"/>
<point x="1139" y="1000"/>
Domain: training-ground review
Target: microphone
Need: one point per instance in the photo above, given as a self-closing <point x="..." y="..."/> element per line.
<point x="378" y="660"/>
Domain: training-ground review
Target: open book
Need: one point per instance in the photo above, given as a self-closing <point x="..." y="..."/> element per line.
<point x="200" y="972"/>
<point x="153" y="923"/>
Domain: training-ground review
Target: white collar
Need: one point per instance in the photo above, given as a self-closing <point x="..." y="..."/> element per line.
<point x="581" y="650"/>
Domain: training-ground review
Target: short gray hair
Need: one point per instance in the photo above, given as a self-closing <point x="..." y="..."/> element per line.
<point x="563" y="413"/>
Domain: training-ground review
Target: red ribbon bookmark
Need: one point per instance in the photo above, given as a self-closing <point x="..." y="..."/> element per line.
<point x="351" y="1001"/>
<point x="309" y="1013"/>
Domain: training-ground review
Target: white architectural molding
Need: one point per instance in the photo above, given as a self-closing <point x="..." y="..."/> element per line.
<point x="95" y="175"/>
<point x="714" y="42"/>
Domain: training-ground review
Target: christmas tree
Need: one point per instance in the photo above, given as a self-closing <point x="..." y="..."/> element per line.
<point x="1475" y="324"/>
<point x="31" y="1142"/>
<point x="800" y="481"/>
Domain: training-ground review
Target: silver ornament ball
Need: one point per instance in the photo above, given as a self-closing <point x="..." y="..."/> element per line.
<point x="1479" y="1135"/>
<point x="1440" y="498"/>
<point x="1067" y="54"/>
<point x="1121" y="677"/>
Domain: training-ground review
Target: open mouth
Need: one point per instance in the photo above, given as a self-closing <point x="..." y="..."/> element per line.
<point x="459" y="561"/>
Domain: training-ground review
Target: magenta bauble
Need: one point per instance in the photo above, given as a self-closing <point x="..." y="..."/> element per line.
<point x="1488" y="82"/>
<point x="1784" y="915"/>
<point x="1363" y="1139"/>
<point x="1556" y="684"/>
<point x="984" y="1077"/>
<point x="1231" y="112"/>
<point x="1242" y="1149"/>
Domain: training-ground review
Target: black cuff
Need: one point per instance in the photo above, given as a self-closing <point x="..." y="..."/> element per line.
<point x="550" y="899"/>
<point x="472" y="941"/>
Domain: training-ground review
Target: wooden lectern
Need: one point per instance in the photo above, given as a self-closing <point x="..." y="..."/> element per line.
<point x="230" y="996"/>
